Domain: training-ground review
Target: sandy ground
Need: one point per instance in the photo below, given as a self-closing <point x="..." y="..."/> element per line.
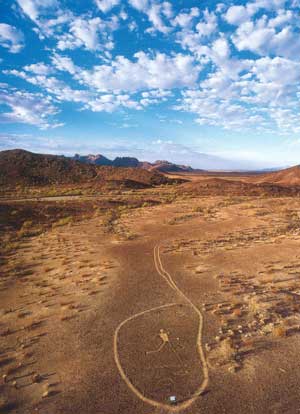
<point x="203" y="304"/>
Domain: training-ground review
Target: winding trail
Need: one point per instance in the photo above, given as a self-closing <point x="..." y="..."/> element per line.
<point x="203" y="385"/>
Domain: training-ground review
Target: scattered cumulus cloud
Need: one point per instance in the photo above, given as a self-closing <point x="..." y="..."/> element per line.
<point x="90" y="33"/>
<point x="233" y="66"/>
<point x="106" y="5"/>
<point x="144" y="72"/>
<point x="11" y="38"/>
<point x="34" y="8"/>
<point x="28" y="108"/>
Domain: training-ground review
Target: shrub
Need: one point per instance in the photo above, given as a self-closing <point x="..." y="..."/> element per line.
<point x="28" y="230"/>
<point x="62" y="222"/>
<point x="109" y="219"/>
<point x="279" y="331"/>
<point x="198" y="209"/>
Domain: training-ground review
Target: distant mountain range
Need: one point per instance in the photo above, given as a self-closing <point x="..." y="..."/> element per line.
<point x="131" y="162"/>
<point x="206" y="161"/>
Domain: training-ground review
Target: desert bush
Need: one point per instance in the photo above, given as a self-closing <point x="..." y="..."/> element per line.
<point x="8" y="246"/>
<point x="28" y="229"/>
<point x="170" y="198"/>
<point x="62" y="222"/>
<point x="109" y="219"/>
<point x="293" y="221"/>
<point x="254" y="305"/>
<point x="27" y="224"/>
<point x="261" y="213"/>
<point x="237" y="312"/>
<point x="128" y="235"/>
<point x="279" y="331"/>
<point x="74" y="192"/>
<point x="198" y="209"/>
<point x="172" y="221"/>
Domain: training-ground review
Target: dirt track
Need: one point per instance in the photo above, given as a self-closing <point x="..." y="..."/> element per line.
<point x="185" y="402"/>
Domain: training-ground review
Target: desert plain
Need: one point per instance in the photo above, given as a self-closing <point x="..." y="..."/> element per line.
<point x="175" y="298"/>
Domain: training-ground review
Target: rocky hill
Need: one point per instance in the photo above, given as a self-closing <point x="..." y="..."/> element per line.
<point x="24" y="168"/>
<point x="93" y="159"/>
<point x="166" y="166"/>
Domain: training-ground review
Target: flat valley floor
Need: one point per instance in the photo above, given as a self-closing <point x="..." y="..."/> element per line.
<point x="200" y="303"/>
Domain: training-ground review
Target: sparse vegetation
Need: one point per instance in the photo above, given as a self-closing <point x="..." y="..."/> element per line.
<point x="109" y="219"/>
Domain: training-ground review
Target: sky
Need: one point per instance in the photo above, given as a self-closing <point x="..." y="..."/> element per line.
<point x="152" y="79"/>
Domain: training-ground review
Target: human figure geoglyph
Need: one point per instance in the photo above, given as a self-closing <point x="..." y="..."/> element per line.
<point x="165" y="339"/>
<point x="164" y="336"/>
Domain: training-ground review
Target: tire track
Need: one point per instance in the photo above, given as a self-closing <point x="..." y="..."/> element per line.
<point x="202" y="387"/>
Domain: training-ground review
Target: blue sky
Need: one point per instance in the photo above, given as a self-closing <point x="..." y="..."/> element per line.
<point x="153" y="79"/>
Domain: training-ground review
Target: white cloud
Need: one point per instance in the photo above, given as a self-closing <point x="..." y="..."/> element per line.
<point x="33" y="8"/>
<point x="264" y="98"/>
<point x="267" y="4"/>
<point x="141" y="5"/>
<point x="112" y="102"/>
<point x="55" y="87"/>
<point x="185" y="19"/>
<point x="154" y="96"/>
<point x="52" y="27"/>
<point x="39" y="69"/>
<point x="106" y="85"/>
<point x="156" y="13"/>
<point x="106" y="5"/>
<point x="11" y="38"/>
<point x="221" y="48"/>
<point x="237" y="14"/>
<point x="156" y="93"/>
<point x="215" y="111"/>
<point x="278" y="70"/>
<point x="91" y="33"/>
<point x="88" y="99"/>
<point x="283" y="17"/>
<point x="146" y="72"/>
<point x="261" y="39"/>
<point x="197" y="40"/>
<point x="28" y="108"/>
<point x="64" y="63"/>
<point x="209" y="24"/>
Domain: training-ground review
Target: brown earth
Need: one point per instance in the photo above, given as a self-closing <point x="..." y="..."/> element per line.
<point x="113" y="304"/>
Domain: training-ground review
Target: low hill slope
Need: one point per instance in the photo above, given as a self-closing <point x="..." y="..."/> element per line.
<point x="286" y="177"/>
<point x="223" y="187"/>
<point x="19" y="167"/>
<point x="24" y="168"/>
<point x="131" y="175"/>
